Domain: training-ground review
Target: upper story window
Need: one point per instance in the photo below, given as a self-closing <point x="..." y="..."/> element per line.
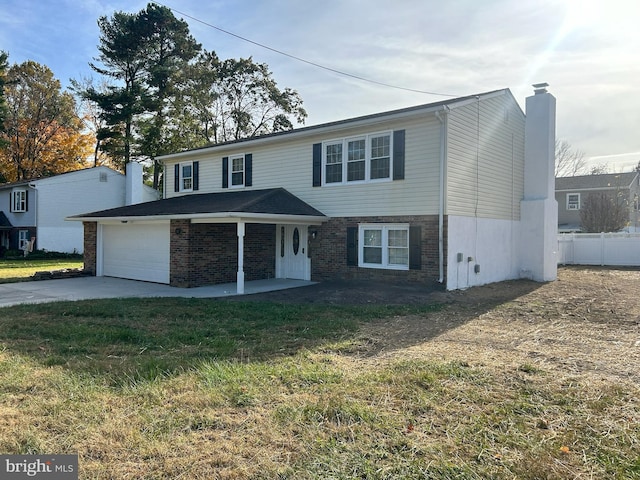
<point x="359" y="159"/>
<point x="237" y="171"/>
<point x="19" y="200"/>
<point x="573" y="201"/>
<point x="186" y="177"/>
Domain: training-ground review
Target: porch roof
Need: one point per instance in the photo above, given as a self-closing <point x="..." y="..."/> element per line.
<point x="275" y="204"/>
<point x="4" y="221"/>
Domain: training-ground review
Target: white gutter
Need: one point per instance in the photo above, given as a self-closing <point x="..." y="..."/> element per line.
<point x="221" y="217"/>
<point x="443" y="155"/>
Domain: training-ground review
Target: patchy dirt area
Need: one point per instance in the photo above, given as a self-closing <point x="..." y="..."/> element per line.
<point x="588" y="321"/>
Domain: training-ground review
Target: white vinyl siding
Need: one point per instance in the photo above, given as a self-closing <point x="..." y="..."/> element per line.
<point x="485" y="152"/>
<point x="287" y="163"/>
<point x="90" y="193"/>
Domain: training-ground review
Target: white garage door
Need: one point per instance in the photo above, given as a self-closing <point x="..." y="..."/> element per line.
<point x="137" y="251"/>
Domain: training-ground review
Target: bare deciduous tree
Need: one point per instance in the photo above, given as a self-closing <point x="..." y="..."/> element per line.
<point x="569" y="162"/>
<point x="604" y="212"/>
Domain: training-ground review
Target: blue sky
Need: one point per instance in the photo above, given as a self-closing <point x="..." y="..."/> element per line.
<point x="587" y="50"/>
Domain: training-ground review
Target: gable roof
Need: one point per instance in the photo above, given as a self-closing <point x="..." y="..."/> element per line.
<point x="4" y="221"/>
<point x="38" y="179"/>
<point x="246" y="203"/>
<point x="372" y="118"/>
<point x="603" y="181"/>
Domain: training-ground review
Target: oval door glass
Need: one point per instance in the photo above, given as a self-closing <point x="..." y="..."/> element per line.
<point x="296" y="241"/>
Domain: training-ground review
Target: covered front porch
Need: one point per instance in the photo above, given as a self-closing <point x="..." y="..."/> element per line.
<point x="214" y="251"/>
<point x="204" y="239"/>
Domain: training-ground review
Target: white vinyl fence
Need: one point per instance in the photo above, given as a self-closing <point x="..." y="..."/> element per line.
<point x="622" y="249"/>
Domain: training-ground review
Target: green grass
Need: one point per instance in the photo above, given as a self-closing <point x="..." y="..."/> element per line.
<point x="23" y="269"/>
<point x="207" y="389"/>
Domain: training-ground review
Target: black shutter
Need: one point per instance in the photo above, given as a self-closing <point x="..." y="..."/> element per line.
<point x="352" y="246"/>
<point x="415" y="248"/>
<point x="248" y="170"/>
<point x="317" y="164"/>
<point x="225" y="172"/>
<point x="196" y="175"/>
<point x="176" y="178"/>
<point x="398" y="155"/>
<point x="26" y="200"/>
<point x="11" y="202"/>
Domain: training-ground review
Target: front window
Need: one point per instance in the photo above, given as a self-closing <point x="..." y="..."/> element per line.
<point x="23" y="239"/>
<point x="237" y="171"/>
<point x="384" y="246"/>
<point x="19" y="201"/>
<point x="186" y="176"/>
<point x="362" y="159"/>
<point x="573" y="201"/>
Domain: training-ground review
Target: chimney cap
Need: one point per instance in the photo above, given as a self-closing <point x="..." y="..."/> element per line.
<point x="540" y="88"/>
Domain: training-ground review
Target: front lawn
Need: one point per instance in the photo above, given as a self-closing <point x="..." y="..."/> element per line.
<point x="216" y="389"/>
<point x="15" y="270"/>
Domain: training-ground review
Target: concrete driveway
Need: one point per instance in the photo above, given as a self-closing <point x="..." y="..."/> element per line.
<point x="85" y="288"/>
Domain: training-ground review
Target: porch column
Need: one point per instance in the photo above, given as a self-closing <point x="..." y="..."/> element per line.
<point x="240" y="282"/>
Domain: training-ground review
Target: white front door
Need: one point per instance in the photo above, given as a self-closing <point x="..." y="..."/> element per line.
<point x="292" y="260"/>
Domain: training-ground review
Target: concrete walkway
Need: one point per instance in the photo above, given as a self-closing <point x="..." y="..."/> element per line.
<point x="85" y="288"/>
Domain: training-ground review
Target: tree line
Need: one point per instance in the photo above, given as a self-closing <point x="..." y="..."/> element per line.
<point x="157" y="91"/>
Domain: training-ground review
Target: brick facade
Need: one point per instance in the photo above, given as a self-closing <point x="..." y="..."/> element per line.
<point x="207" y="253"/>
<point x="90" y="247"/>
<point x="329" y="250"/>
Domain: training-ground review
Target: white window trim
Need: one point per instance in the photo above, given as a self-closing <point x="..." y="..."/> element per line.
<point x="182" y="177"/>
<point x="244" y="170"/>
<point x="23" y="239"/>
<point x="569" y="207"/>
<point x="367" y="159"/>
<point x="385" y="227"/>
<point x="19" y="205"/>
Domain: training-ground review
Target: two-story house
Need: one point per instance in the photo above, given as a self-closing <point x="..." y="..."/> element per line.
<point x="571" y="192"/>
<point x="35" y="210"/>
<point x="429" y="193"/>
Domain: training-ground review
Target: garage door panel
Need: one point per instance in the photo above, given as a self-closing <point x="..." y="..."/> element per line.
<point x="136" y="251"/>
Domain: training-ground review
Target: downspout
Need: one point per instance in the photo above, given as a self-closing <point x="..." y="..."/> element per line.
<point x="443" y="155"/>
<point x="35" y="210"/>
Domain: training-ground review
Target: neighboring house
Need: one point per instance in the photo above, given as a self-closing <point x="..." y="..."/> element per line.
<point x="430" y="193"/>
<point x="571" y="192"/>
<point x="35" y="210"/>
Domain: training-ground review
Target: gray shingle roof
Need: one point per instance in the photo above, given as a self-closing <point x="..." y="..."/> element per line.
<point x="584" y="182"/>
<point x="4" y="221"/>
<point x="273" y="201"/>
